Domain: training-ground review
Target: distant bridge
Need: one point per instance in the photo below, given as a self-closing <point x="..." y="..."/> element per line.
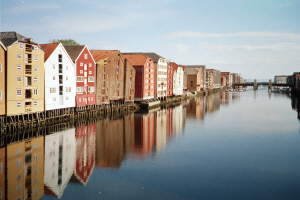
<point x="255" y="84"/>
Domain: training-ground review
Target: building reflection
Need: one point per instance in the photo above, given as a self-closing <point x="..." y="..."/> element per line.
<point x="213" y="102"/>
<point x="114" y="138"/>
<point x="25" y="169"/>
<point x="179" y="118"/>
<point x="85" y="136"/>
<point x="225" y="97"/>
<point x="60" y="149"/>
<point x="2" y="173"/>
<point x="196" y="108"/>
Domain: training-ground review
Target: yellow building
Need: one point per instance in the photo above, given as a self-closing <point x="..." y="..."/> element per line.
<point x="25" y="169"/>
<point x="2" y="78"/>
<point x="24" y="74"/>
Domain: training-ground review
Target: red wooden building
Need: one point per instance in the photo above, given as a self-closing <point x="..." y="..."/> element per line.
<point x="144" y="81"/>
<point x="85" y="74"/>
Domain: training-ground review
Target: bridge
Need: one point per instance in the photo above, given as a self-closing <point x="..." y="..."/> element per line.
<point x="255" y="84"/>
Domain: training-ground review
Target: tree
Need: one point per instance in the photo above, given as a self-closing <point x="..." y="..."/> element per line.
<point x="66" y="42"/>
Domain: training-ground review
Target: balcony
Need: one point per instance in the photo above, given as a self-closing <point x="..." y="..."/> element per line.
<point x="28" y="48"/>
<point x="27" y="94"/>
<point x="27" y="106"/>
<point x="27" y="81"/>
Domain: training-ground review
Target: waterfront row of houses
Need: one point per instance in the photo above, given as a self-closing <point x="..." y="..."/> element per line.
<point x="44" y="77"/>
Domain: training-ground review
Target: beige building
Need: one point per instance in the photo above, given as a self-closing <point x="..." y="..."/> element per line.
<point x="2" y="173"/>
<point x="2" y="78"/>
<point x="25" y="74"/>
<point x="25" y="169"/>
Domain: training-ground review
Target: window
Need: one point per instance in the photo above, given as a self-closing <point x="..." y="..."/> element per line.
<point x="81" y="71"/>
<point x="91" y="89"/>
<point x="19" y="104"/>
<point x="21" y="45"/>
<point x="35" y="57"/>
<point x="67" y="78"/>
<point x="67" y="68"/>
<point x="68" y="89"/>
<point x="54" y="98"/>
<point x="52" y="90"/>
<point x="35" y="103"/>
<point x="19" y="55"/>
<point x="0" y="67"/>
<point x="0" y="94"/>
<point x="91" y="79"/>
<point x="59" y="58"/>
<point x="19" y="163"/>
<point x="35" y="91"/>
<point x="85" y="56"/>
<point x="35" y="48"/>
<point x="35" y="146"/>
<point x="118" y="85"/>
<point x="117" y="70"/>
<point x="90" y="72"/>
<point x="67" y="98"/>
<point x="90" y="64"/>
<point x="79" y="89"/>
<point x="35" y="79"/>
<point x="35" y="68"/>
<point x="81" y="64"/>
<point x="19" y="78"/>
<point x="79" y="78"/>
<point x="19" y="92"/>
<point x="54" y="78"/>
<point x="53" y="66"/>
<point x="85" y="66"/>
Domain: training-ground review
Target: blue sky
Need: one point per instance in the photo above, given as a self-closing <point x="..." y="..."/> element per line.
<point x="257" y="38"/>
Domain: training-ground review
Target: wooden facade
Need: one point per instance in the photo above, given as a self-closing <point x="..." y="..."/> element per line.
<point x="60" y="83"/>
<point x="85" y="74"/>
<point x="144" y="80"/>
<point x="115" y="77"/>
<point x="25" y="69"/>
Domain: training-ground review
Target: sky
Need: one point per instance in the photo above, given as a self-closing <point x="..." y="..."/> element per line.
<point x="256" y="38"/>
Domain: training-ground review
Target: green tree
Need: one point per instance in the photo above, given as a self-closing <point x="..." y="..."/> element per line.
<point x="66" y="42"/>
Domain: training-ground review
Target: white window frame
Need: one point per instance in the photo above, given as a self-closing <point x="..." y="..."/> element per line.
<point x="81" y="64"/>
<point x="35" y="68"/>
<point x="19" y="91"/>
<point x="21" y="45"/>
<point x="19" y="55"/>
<point x="81" y="71"/>
<point x="90" y="64"/>
<point x="19" y="104"/>
<point x="91" y="79"/>
<point x="36" y="57"/>
<point x="91" y="89"/>
<point x="0" y="94"/>
<point x="90" y="72"/>
<point x="35" y="79"/>
<point x="0" y="67"/>
<point x="35" y="47"/>
<point x="35" y="91"/>
<point x="53" y="66"/>
<point x="85" y="56"/>
<point x="19" y="78"/>
<point x="35" y="103"/>
<point x="79" y="78"/>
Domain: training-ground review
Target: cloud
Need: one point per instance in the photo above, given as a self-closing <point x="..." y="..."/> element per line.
<point x="261" y="35"/>
<point x="181" y="48"/>
<point x="28" y="8"/>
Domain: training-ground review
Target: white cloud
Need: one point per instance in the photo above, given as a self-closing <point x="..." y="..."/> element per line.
<point x="262" y="35"/>
<point x="28" y="8"/>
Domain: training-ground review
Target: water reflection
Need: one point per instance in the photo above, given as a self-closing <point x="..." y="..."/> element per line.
<point x="47" y="164"/>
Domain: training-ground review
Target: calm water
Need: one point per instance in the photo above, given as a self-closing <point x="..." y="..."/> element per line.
<point x="227" y="145"/>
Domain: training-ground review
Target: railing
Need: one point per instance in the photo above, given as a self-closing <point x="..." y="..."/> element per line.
<point x="28" y="60"/>
<point x="28" y="71"/>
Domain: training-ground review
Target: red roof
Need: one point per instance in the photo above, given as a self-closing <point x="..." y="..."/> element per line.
<point x="102" y="54"/>
<point x="48" y="49"/>
<point x="136" y="59"/>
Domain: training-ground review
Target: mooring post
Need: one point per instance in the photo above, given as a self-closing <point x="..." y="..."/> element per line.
<point x="270" y="85"/>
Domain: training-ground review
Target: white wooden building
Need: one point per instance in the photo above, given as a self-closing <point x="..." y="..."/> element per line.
<point x="60" y="83"/>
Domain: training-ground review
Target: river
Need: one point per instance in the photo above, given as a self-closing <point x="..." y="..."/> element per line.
<point x="228" y="145"/>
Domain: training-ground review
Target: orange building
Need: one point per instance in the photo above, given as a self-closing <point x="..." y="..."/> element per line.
<point x="2" y="78"/>
<point x="194" y="79"/>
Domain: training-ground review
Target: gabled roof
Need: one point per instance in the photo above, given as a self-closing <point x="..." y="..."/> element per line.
<point x="136" y="59"/>
<point x="48" y="49"/>
<point x="195" y="66"/>
<point x="9" y="38"/>
<point x="174" y="66"/>
<point x="2" y="45"/>
<point x="74" y="51"/>
<point x="102" y="54"/>
<point x="191" y="71"/>
<point x="155" y="57"/>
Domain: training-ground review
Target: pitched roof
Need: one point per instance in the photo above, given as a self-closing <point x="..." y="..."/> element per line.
<point x="74" y="51"/>
<point x="102" y="54"/>
<point x="174" y="66"/>
<point x="155" y="57"/>
<point x="190" y="71"/>
<point x="48" y="49"/>
<point x="8" y="38"/>
<point x="195" y="66"/>
<point x="2" y="45"/>
<point x="136" y="59"/>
